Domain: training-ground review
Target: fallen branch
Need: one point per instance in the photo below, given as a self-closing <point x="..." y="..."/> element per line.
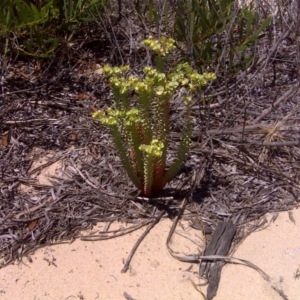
<point x="129" y="258"/>
<point x="287" y="94"/>
<point x="28" y="121"/>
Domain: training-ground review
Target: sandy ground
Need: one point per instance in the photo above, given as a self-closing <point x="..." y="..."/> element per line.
<point x="92" y="270"/>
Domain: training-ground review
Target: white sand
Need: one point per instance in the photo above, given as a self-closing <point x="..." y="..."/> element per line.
<point x="91" y="270"/>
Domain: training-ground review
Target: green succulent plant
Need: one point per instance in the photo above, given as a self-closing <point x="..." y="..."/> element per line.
<point x="140" y="129"/>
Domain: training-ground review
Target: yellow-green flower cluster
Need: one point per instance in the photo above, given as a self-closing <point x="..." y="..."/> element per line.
<point x="162" y="47"/>
<point x="114" y="71"/>
<point x="121" y="83"/>
<point x="199" y="80"/>
<point x="167" y="89"/>
<point x="110" y="118"/>
<point x="143" y="87"/>
<point x="154" y="149"/>
<point x="131" y="116"/>
<point x="189" y="77"/>
<point x="158" y="82"/>
<point x="113" y="116"/>
<point x="187" y="99"/>
<point x="151" y="73"/>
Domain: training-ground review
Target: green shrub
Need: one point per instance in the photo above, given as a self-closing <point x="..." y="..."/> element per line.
<point x="208" y="29"/>
<point x="33" y="28"/>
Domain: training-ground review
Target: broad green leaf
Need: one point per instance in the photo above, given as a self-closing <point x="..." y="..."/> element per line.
<point x="24" y="11"/>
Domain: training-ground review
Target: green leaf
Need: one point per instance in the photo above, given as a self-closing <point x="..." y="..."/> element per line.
<point x="166" y="14"/>
<point x="87" y="19"/>
<point x="252" y="38"/>
<point x="8" y="17"/>
<point x="28" y="15"/>
<point x="79" y="5"/>
<point x="35" y="11"/>
<point x="192" y="25"/>
<point x="93" y="2"/>
<point x="28" y="46"/>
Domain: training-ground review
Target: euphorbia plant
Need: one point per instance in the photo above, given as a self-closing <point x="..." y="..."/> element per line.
<point x="140" y="127"/>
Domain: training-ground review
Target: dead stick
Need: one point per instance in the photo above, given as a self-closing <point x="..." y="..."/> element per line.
<point x="271" y="144"/>
<point x="22" y="122"/>
<point x="127" y="263"/>
<point x="290" y="92"/>
<point x="105" y="236"/>
<point x="255" y="127"/>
